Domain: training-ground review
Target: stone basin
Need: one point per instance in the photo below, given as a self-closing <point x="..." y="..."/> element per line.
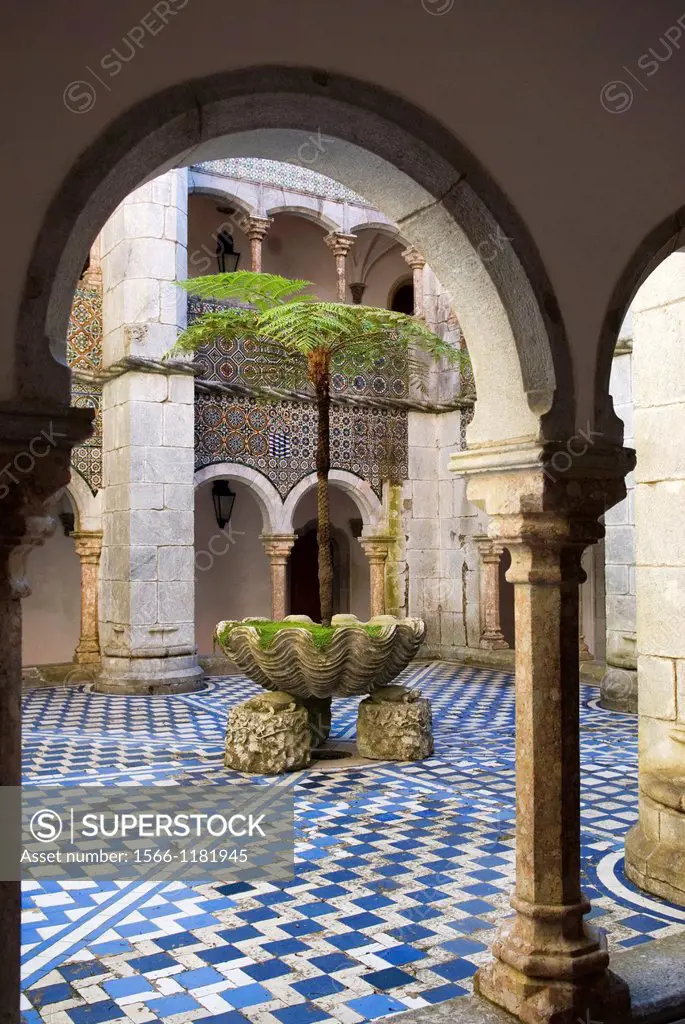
<point x="354" y="659"/>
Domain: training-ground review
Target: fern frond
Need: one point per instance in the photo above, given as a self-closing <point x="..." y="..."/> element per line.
<point x="263" y="291"/>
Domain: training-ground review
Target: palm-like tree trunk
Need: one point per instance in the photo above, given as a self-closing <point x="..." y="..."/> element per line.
<point x="319" y="372"/>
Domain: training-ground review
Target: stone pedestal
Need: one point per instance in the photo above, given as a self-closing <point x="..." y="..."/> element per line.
<point x="278" y="547"/>
<point x="394" y="724"/>
<point x="88" y="548"/>
<point x="417" y="263"/>
<point x="376" y="550"/>
<point x="268" y="735"/>
<point x="319" y="712"/>
<point x="256" y="228"/>
<point x="550" y="967"/>
<point x="340" y="244"/>
<point x="147" y="629"/>
<point x="491" y="637"/>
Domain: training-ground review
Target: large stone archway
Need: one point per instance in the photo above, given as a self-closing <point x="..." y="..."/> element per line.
<point x="503" y="307"/>
<point x="448" y="207"/>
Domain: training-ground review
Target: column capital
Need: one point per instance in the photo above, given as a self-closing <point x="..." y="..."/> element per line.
<point x="256" y="227"/>
<point x="357" y="288"/>
<point x="88" y="544"/>
<point x="339" y="243"/>
<point x="278" y="545"/>
<point x="554" y="493"/>
<point x="413" y="258"/>
<point x="376" y="547"/>
<point x="490" y="548"/>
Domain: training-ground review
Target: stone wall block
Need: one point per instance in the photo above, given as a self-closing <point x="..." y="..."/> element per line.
<point x="660" y="440"/>
<point x="657" y="687"/>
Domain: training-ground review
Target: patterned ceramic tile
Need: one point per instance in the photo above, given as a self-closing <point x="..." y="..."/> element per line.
<point x="403" y="870"/>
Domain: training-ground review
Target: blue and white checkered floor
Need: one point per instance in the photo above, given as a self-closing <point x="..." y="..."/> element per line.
<point x="402" y="870"/>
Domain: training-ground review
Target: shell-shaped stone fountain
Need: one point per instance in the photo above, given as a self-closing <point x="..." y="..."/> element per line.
<point x="354" y="662"/>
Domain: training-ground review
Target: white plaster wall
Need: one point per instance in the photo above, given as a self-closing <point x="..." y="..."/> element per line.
<point x="234" y="582"/>
<point x="343" y="509"/>
<point x="52" y="612"/>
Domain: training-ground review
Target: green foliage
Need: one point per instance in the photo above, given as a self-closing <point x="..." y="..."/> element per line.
<point x="282" y="319"/>
<point x="321" y="635"/>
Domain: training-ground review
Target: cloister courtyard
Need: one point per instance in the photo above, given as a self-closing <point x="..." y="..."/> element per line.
<point x="342" y="434"/>
<point x="403" y="871"/>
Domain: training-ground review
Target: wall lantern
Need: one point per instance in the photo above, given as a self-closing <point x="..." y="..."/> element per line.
<point x="223" y="498"/>
<point x="226" y="257"/>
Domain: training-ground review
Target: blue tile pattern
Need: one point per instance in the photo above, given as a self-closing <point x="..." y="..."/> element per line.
<point x="403" y="870"/>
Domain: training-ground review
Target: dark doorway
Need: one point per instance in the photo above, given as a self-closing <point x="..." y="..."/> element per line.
<point x="506" y="599"/>
<point x="304" y="573"/>
<point x="402" y="300"/>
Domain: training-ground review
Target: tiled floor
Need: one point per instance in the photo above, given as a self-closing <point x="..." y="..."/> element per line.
<point x="403" y="870"/>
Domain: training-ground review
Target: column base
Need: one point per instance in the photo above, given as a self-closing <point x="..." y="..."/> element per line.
<point x="87" y="654"/>
<point x="618" y="690"/>
<point x="551" y="968"/>
<point x="656" y="866"/>
<point x="493" y="642"/>
<point x="604" y="997"/>
<point x="180" y="674"/>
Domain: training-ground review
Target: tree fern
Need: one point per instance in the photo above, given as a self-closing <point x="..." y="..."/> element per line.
<point x="304" y="336"/>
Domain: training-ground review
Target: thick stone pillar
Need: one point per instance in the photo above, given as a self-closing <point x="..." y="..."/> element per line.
<point x="256" y="228"/>
<point x="147" y="630"/>
<point x="491" y="637"/>
<point x="278" y="547"/>
<point x="655" y="848"/>
<point x="89" y="548"/>
<point x="35" y="449"/>
<point x="340" y="244"/>
<point x="376" y="549"/>
<point x="550" y="967"/>
<point x="417" y="263"/>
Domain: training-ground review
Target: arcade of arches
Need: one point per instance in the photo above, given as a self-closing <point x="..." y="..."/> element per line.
<point x="505" y="507"/>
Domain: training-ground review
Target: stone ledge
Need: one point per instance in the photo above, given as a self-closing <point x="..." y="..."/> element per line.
<point x="655" y="973"/>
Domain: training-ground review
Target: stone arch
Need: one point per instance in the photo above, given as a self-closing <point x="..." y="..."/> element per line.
<point x="266" y="495"/>
<point x="663" y="240"/>
<point x="391" y="230"/>
<point x="87" y="506"/>
<point x="313" y="215"/>
<point x="359" y="491"/>
<point x="397" y="156"/>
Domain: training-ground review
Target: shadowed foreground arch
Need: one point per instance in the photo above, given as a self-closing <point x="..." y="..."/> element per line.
<point x="376" y="144"/>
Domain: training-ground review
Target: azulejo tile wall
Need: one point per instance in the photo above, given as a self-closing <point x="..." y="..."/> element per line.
<point x="295" y="177"/>
<point x="84" y="354"/>
<point x="279" y="439"/>
<point x="250" y="364"/>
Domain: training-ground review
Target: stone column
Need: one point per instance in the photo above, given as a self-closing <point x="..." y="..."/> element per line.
<point x="550" y="967"/>
<point x="340" y="244"/>
<point x="278" y="547"/>
<point x="491" y="637"/>
<point x="256" y="228"/>
<point x="417" y="263"/>
<point x="376" y="549"/>
<point x="147" y="629"/>
<point x="655" y="847"/>
<point x="89" y="548"/>
<point x="35" y="449"/>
